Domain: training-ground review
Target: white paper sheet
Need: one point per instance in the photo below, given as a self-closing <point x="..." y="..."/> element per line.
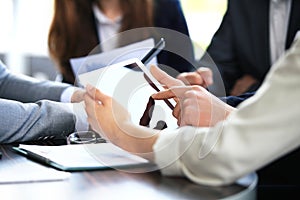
<point x="27" y="172"/>
<point x="85" y="156"/>
<point x="96" y="61"/>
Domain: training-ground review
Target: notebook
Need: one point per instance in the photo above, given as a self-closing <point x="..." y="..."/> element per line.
<point x="81" y="157"/>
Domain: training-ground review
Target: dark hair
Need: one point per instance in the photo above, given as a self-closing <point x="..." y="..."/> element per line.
<point x="73" y="33"/>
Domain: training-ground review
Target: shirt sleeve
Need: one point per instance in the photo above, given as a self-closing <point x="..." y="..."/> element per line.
<point x="66" y="95"/>
<point x="78" y="109"/>
<point x="26" y="89"/>
<point x="264" y="128"/>
<point x="22" y="122"/>
<point x="297" y="35"/>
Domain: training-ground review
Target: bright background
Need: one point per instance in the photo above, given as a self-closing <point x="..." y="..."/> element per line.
<point x="25" y="23"/>
<point x="203" y="18"/>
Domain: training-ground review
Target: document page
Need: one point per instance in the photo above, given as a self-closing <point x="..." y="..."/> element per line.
<point x="18" y="171"/>
<point x="96" y="61"/>
<point x="84" y="156"/>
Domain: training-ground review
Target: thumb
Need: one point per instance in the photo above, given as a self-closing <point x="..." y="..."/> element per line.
<point x="206" y="75"/>
<point x="163" y="78"/>
<point x="96" y="94"/>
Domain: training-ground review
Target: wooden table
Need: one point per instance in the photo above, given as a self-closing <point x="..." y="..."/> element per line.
<point x="111" y="184"/>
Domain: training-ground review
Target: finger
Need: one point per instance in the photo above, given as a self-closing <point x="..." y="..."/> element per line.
<point x="190" y="78"/>
<point x="174" y="92"/>
<point x="176" y="111"/>
<point x="167" y="94"/>
<point x="91" y="90"/>
<point x="189" y="113"/>
<point x="78" y="95"/>
<point x="188" y="118"/>
<point x="91" y="108"/>
<point x="163" y="78"/>
<point x="179" y="120"/>
<point x="97" y="94"/>
<point x="90" y="105"/>
<point x="206" y="75"/>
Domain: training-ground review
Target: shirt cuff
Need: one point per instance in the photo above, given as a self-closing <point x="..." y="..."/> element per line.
<point x="81" y="117"/>
<point x="297" y="37"/>
<point x="67" y="95"/>
<point x="166" y="153"/>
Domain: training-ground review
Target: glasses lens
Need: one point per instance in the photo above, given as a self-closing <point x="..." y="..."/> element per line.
<point x="85" y="137"/>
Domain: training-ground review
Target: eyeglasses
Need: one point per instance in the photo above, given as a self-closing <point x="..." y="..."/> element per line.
<point x="85" y="137"/>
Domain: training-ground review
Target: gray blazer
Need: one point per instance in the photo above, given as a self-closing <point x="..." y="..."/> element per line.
<point x="26" y="115"/>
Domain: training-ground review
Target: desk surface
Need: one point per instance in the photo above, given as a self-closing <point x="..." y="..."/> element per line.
<point x="113" y="184"/>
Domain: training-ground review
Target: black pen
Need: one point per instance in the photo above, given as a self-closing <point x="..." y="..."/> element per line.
<point x="34" y="156"/>
<point x="154" y="51"/>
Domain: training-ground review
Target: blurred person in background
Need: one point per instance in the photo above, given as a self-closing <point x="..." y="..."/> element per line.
<point x="250" y="39"/>
<point x="78" y="26"/>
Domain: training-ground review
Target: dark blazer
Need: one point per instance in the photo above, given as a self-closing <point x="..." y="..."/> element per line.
<point x="168" y="14"/>
<point x="26" y="115"/>
<point x="241" y="44"/>
<point x="234" y="101"/>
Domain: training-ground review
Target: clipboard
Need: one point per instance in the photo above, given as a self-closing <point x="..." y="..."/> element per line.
<point x="82" y="157"/>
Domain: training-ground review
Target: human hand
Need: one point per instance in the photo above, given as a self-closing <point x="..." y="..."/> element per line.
<point x="104" y="113"/>
<point x="163" y="78"/>
<point x="113" y="122"/>
<point x="78" y="95"/>
<point x="242" y="85"/>
<point x="202" y="76"/>
<point x="195" y="105"/>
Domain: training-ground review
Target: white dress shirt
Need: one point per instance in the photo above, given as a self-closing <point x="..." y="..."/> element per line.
<point x="77" y="108"/>
<point x="279" y="21"/>
<point x="262" y="129"/>
<point x="107" y="29"/>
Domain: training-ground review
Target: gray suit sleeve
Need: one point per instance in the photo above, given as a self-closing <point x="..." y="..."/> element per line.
<point x="26" y="89"/>
<point x="21" y="122"/>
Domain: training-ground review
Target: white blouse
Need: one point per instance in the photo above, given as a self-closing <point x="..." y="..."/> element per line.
<point x="107" y="29"/>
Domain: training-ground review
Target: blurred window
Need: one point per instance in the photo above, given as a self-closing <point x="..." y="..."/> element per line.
<point x="203" y="18"/>
<point x="25" y="24"/>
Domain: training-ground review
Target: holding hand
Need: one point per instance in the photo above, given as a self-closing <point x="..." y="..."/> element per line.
<point x="195" y="105"/>
<point x="104" y="114"/>
<point x="202" y="77"/>
<point x="113" y="122"/>
<point x="78" y="95"/>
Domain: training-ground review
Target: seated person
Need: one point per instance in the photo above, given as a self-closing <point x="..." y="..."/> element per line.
<point x="247" y="43"/>
<point x="80" y="28"/>
<point x="237" y="142"/>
